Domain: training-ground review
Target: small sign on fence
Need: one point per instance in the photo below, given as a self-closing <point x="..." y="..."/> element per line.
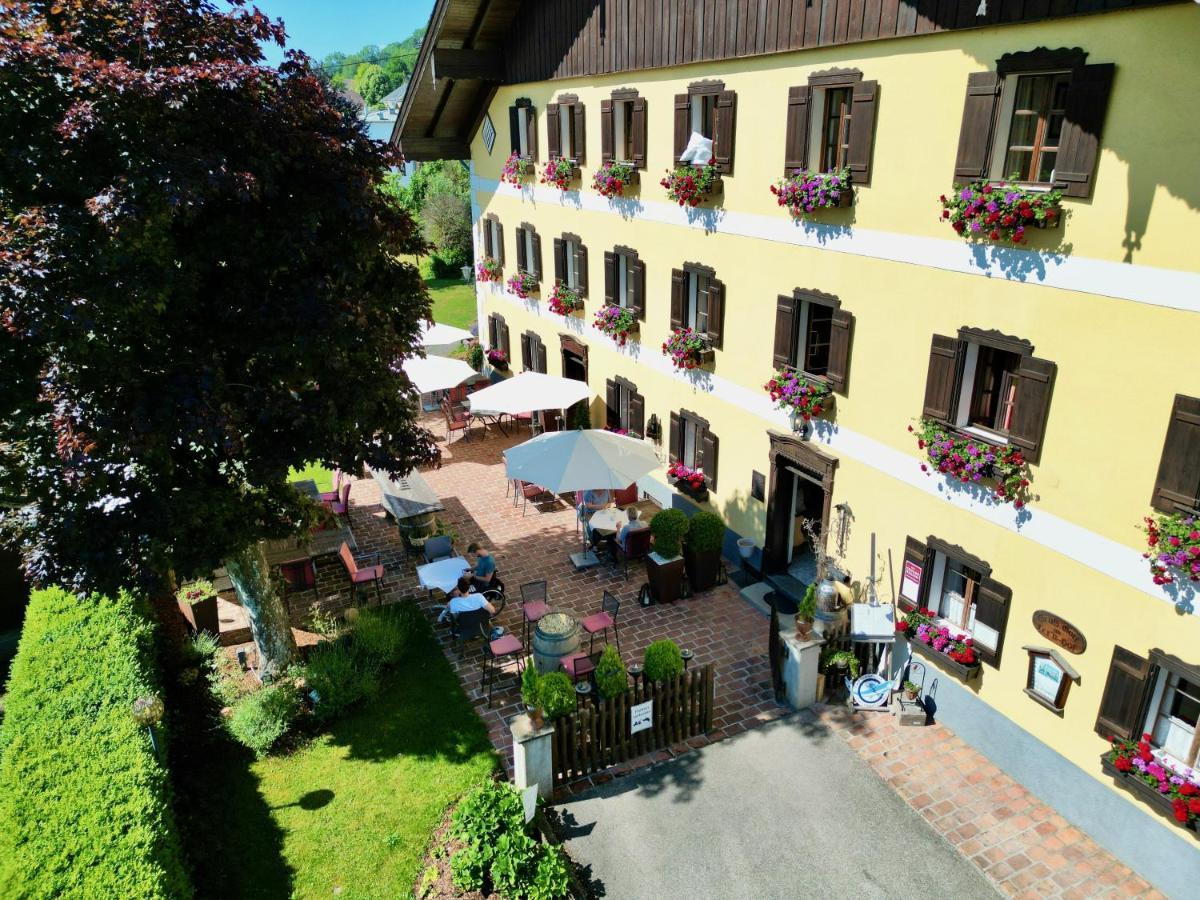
<point x="641" y="717"/>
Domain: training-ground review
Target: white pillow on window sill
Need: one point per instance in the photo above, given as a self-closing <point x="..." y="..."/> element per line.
<point x="698" y="150"/>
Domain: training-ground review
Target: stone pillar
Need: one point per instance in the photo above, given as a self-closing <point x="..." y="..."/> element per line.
<point x="800" y="669"/>
<point x="533" y="760"/>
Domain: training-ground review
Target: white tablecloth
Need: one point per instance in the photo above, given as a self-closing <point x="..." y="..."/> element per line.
<point x="442" y="575"/>
<point x="609" y="519"/>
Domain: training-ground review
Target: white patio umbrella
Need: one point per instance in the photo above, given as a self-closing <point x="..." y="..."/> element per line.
<point x="436" y="373"/>
<point x="581" y="460"/>
<point x="529" y="392"/>
<point x="441" y="340"/>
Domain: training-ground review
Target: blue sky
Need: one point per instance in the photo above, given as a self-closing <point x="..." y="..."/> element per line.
<point x="319" y="27"/>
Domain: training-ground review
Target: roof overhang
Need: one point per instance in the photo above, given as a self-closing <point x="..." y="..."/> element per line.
<point x="460" y="64"/>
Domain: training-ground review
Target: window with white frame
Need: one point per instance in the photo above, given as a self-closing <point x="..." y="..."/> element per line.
<point x="493" y="226"/>
<point x="1033" y="109"/>
<point x="814" y="333"/>
<point x="1172" y="718"/>
<point x="703" y="114"/>
<point x="697" y="315"/>
<point x="625" y="281"/>
<point x="523" y="143"/>
<point x="527" y="236"/>
<point x="953" y="590"/>
<point x="691" y="450"/>
<point x="987" y="397"/>
<point x="568" y="140"/>
<point x="622" y="113"/>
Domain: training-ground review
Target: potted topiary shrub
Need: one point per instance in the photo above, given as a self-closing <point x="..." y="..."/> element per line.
<point x="610" y="675"/>
<point x="706" y="536"/>
<point x="198" y="602"/>
<point x="663" y="661"/>
<point x="664" y="566"/>
<point x="805" y="611"/>
<point x="557" y="694"/>
<point x="531" y="694"/>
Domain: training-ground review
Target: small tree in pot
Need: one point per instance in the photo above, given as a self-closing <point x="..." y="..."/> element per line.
<point x="669" y="527"/>
<point x="611" y="677"/>
<point x="531" y="694"/>
<point x="664" y="567"/>
<point x="706" y="536"/>
<point x="806" y="610"/>
<point x="663" y="661"/>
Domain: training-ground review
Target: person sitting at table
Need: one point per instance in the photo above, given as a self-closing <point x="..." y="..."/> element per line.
<point x="484" y="571"/>
<point x="589" y="503"/>
<point x="464" y="598"/>
<point x="633" y="524"/>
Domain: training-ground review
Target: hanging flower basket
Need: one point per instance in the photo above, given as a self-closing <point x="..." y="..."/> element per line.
<point x="1175" y="791"/>
<point x="688" y="185"/>
<point x="564" y="300"/>
<point x="488" y="269"/>
<point x="974" y="461"/>
<point x="516" y="169"/>
<point x="611" y="179"/>
<point x="687" y="349"/>
<point x="689" y="482"/>
<point x="560" y="172"/>
<point x="1173" y="548"/>
<point x="937" y="642"/>
<point x="523" y="285"/>
<point x="1000" y="211"/>
<point x="498" y="359"/>
<point x="618" y="322"/>
<point x="805" y="192"/>
<point x="806" y="397"/>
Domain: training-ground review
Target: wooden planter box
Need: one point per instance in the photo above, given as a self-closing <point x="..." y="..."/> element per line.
<point x="702" y="569"/>
<point x="700" y="495"/>
<point x="944" y="662"/>
<point x="202" y="616"/>
<point x="665" y="578"/>
<point x="1143" y="792"/>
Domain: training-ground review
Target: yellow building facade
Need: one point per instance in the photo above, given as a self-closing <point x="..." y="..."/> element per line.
<point x="1108" y="303"/>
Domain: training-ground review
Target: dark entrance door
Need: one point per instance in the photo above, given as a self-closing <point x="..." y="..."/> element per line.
<point x="801" y="488"/>
<point x="575" y="367"/>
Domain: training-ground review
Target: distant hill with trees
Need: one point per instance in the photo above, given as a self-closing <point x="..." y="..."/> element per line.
<point x="374" y="71"/>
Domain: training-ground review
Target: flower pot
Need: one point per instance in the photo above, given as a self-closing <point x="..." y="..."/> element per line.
<point x="803" y="629"/>
<point x="745" y="547"/>
<point x="665" y="577"/>
<point x="910" y="696"/>
<point x="537" y="717"/>
<point x="702" y="569"/>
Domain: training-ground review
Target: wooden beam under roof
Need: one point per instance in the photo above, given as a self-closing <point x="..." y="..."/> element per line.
<point x="422" y="149"/>
<point x="468" y="65"/>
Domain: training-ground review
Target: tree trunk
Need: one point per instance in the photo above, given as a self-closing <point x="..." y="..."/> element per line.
<point x="269" y="625"/>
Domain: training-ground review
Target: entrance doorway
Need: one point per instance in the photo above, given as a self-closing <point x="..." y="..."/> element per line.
<point x="575" y="367"/>
<point x="801" y="491"/>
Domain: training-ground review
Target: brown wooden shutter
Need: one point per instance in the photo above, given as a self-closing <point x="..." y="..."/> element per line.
<point x="638" y="273"/>
<point x="675" y="437"/>
<point x="526" y="356"/>
<point x="522" y="262"/>
<point x="1123" y="704"/>
<point x="487" y="237"/>
<point x="1035" y="384"/>
<point x="553" y="134"/>
<point x="978" y="123"/>
<point x="493" y="334"/>
<point x="504" y="343"/>
<point x="612" y="401"/>
<point x="606" y="131"/>
<point x="514" y="128"/>
<point x="942" y="377"/>
<point x="678" y="297"/>
<point x="840" y="332"/>
<point x="531" y="125"/>
<point x="1177" y="487"/>
<point x="683" y="124"/>
<point x="499" y="248"/>
<point x="795" y="145"/>
<point x="724" y="131"/>
<point x="637" y="414"/>
<point x="540" y="356"/>
<point x="785" y="331"/>
<point x="1079" y="145"/>
<point x="581" y="269"/>
<point x="535" y="264"/>
<point x="610" y="278"/>
<point x="710" y="446"/>
<point x="560" y="261"/>
<point x="716" y="311"/>
<point x="992" y="604"/>
<point x="580" y="148"/>
<point x="862" y="130"/>
<point x="637" y="140"/>
<point x="915" y="552"/>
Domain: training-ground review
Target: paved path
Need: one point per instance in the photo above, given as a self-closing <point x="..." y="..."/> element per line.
<point x="785" y="810"/>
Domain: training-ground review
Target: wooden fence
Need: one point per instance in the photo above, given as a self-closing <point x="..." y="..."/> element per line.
<point x="597" y="735"/>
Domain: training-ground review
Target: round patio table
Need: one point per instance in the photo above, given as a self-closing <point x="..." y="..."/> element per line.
<point x="608" y="520"/>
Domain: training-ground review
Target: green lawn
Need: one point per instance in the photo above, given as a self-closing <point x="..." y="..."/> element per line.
<point x="349" y="814"/>
<point x="316" y="472"/>
<point x="453" y="301"/>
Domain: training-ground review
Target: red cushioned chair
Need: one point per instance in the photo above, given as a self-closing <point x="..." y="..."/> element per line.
<point x="361" y="575"/>
<point x="610" y="606"/>
<point x="577" y="666"/>
<point x="533" y="605"/>
<point x="626" y="496"/>
<point x="341" y="507"/>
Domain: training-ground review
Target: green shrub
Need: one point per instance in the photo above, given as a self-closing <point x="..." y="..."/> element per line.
<point x="263" y="717"/>
<point x="84" y="799"/>
<point x="557" y="694"/>
<point x="706" y="533"/>
<point x="807" y="608"/>
<point x="531" y="684"/>
<point x="668" y="527"/>
<point x="663" y="662"/>
<point x="383" y="633"/>
<point x="552" y="878"/>
<point x="341" y="675"/>
<point x="611" y="677"/>
<point x="447" y="264"/>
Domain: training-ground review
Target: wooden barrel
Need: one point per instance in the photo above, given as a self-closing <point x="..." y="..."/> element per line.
<point x="556" y="636"/>
<point x="417" y="528"/>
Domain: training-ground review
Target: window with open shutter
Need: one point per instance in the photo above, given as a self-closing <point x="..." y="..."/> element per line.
<point x="841" y="330"/>
<point x="708" y="462"/>
<point x="610" y="278"/>
<point x="637" y="141"/>
<point x="865" y="97"/>
<point x="535" y="246"/>
<point x="514" y="128"/>
<point x="606" y="131"/>
<point x="493" y="333"/>
<point x="992" y="603"/>
<point x="1126" y="690"/>
<point x="579" y="138"/>
<point x="785" y="332"/>
<point x="531" y="131"/>
<point x="638" y="292"/>
<point x="941" y="378"/>
<point x="498" y="241"/>
<point x="1079" y="144"/>
<point x="503" y="334"/>
<point x="795" y="149"/>
<point x="522" y="249"/>
<point x="553" y="131"/>
<point x="540" y="356"/>
<point x="912" y="578"/>
<point x="674" y="437"/>
<point x="486" y="228"/>
<point x="612" y="404"/>
<point x="678" y="297"/>
<point x="522" y="123"/>
<point x="1177" y="487"/>
<point x="716" y="311"/>
<point x="1031" y="405"/>
<point x="683" y="124"/>
<point x="560" y="261"/>
<point x="637" y="414"/>
<point x="978" y="124"/>
<point x="526" y="354"/>
<point x="581" y="267"/>
<point x="725" y="131"/>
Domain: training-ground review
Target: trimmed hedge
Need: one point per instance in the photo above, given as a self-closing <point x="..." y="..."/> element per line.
<point x="84" y="800"/>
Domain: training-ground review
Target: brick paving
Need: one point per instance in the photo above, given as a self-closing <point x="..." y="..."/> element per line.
<point x="1026" y="848"/>
<point x="722" y="629"/>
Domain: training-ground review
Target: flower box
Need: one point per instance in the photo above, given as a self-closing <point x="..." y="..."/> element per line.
<point x="611" y="179"/>
<point x="560" y="172"/>
<point x="1000" y="210"/>
<point x="564" y="301"/>
<point x="1138" y="788"/>
<point x="618" y="322"/>
<point x="805" y="193"/>
<point x="489" y="269"/>
<point x="689" y="482"/>
<point x="804" y="396"/>
<point x="1173" y="548"/>
<point x="944" y="662"/>
<point x="516" y="169"/>
<point x="523" y="285"/>
<point x="498" y="360"/>
<point x="688" y="185"/>
<point x="688" y="349"/>
<point x="973" y="460"/>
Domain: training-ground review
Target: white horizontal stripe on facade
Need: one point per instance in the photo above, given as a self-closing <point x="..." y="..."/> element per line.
<point x="1080" y="544"/>
<point x="1151" y="285"/>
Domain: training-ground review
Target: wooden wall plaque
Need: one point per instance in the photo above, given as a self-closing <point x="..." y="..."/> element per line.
<point x="1059" y="631"/>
